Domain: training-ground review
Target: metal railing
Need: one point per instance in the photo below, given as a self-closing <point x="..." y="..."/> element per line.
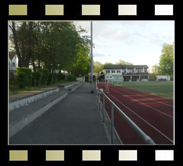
<point x="146" y="139"/>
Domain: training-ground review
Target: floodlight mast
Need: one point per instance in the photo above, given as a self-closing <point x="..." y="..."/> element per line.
<point x="92" y="89"/>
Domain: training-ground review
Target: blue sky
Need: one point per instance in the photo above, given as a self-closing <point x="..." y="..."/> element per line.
<point x="137" y="42"/>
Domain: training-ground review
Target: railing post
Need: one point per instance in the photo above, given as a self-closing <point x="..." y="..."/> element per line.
<point x="99" y="100"/>
<point x="112" y="124"/>
<point x="103" y="97"/>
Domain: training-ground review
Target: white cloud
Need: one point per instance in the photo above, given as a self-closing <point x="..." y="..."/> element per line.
<point x="138" y="42"/>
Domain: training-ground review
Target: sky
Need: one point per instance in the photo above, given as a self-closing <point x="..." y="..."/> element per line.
<point x="137" y="42"/>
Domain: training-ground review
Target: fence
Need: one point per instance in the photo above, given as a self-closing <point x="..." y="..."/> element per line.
<point x="146" y="139"/>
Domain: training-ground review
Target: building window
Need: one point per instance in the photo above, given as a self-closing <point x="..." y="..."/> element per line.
<point x="113" y="71"/>
<point x="13" y="64"/>
<point x="118" y="71"/>
<point x="107" y="71"/>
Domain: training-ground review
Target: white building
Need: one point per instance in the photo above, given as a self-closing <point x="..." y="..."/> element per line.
<point x="128" y="72"/>
<point x="163" y="78"/>
<point x="13" y="61"/>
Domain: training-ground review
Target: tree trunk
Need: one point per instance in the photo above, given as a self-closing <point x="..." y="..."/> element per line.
<point x="59" y="75"/>
<point x="16" y="44"/>
<point x="29" y="52"/>
<point x="23" y="43"/>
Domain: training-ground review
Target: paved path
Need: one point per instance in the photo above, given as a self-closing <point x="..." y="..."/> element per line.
<point x="74" y="120"/>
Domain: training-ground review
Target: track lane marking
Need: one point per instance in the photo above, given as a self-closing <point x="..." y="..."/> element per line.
<point x="143" y="120"/>
<point x="145" y="97"/>
<point x="145" y="104"/>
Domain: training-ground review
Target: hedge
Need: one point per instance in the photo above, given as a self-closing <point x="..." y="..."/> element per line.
<point x="37" y="77"/>
<point x="27" y="74"/>
<point x="45" y="75"/>
<point x="50" y="79"/>
<point x="70" y="77"/>
<point x="22" y="79"/>
<point x="55" y="77"/>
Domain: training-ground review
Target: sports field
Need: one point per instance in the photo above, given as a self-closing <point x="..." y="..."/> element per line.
<point x="151" y="112"/>
<point x="162" y="89"/>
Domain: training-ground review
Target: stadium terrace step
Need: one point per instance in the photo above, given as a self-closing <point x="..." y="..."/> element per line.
<point x="65" y="86"/>
<point x="25" y="114"/>
<point x="23" y="99"/>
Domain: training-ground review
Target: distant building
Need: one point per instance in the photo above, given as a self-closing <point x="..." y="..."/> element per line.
<point x="163" y="78"/>
<point x="128" y="72"/>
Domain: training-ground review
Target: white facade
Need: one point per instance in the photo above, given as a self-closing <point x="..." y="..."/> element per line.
<point x="109" y="73"/>
<point x="163" y="77"/>
<point x="127" y="73"/>
<point x="13" y="62"/>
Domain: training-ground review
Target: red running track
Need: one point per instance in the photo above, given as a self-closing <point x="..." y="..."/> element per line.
<point x="153" y="114"/>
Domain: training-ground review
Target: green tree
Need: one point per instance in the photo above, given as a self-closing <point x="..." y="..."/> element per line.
<point x="53" y="45"/>
<point x="155" y="69"/>
<point x="166" y="60"/>
<point x="82" y="64"/>
<point x="121" y="62"/>
<point x="97" y="67"/>
<point x="22" y="38"/>
<point x="106" y="63"/>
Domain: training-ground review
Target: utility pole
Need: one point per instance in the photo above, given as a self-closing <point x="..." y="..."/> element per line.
<point x="92" y="89"/>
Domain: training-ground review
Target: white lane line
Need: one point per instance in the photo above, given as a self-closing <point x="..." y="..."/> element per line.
<point x="145" y="104"/>
<point x="146" y="97"/>
<point x="143" y="120"/>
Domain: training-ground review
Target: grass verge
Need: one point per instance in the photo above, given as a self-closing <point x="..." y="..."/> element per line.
<point x="13" y="87"/>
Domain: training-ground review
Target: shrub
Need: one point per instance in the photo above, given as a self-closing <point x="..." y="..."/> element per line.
<point x="28" y="74"/>
<point x="22" y="79"/>
<point x="37" y="77"/>
<point x="45" y="75"/>
<point x="55" y="77"/>
<point x="50" y="79"/>
<point x="70" y="77"/>
<point x="63" y="76"/>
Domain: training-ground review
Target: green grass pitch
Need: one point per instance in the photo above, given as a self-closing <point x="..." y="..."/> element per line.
<point x="162" y="89"/>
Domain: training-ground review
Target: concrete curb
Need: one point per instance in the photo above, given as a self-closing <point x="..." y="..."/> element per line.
<point x="28" y="118"/>
<point x="29" y="99"/>
<point x="67" y="86"/>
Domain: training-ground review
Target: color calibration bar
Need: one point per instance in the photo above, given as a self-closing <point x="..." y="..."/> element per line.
<point x="90" y="10"/>
<point x="91" y="155"/>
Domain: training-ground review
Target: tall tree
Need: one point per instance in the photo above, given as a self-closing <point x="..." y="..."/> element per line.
<point x="166" y="60"/>
<point x="155" y="69"/>
<point x="55" y="45"/>
<point x="97" y="67"/>
<point x="22" y="39"/>
<point x="82" y="65"/>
